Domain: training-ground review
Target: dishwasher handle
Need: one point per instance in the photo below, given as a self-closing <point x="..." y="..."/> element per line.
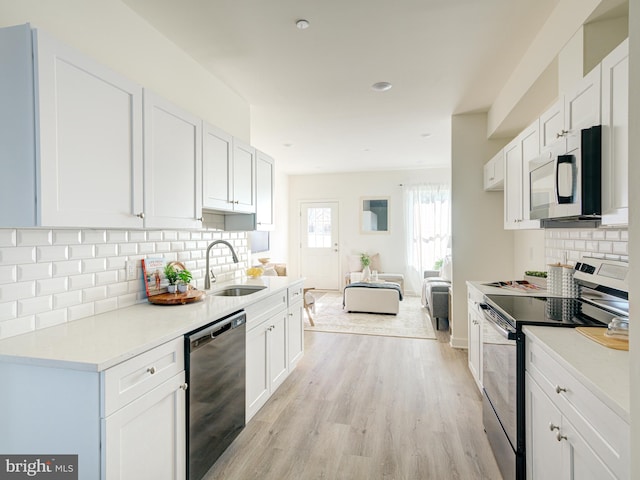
<point x="209" y="334"/>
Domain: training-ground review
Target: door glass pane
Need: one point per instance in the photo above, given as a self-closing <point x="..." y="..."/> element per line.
<point x="319" y="227"/>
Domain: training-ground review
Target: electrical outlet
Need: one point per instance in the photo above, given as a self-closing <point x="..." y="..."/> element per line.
<point x="131" y="270"/>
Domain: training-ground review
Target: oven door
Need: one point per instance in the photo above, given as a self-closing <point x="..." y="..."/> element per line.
<point x="499" y="370"/>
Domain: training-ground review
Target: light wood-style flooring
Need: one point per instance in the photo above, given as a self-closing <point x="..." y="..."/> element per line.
<point x="367" y="407"/>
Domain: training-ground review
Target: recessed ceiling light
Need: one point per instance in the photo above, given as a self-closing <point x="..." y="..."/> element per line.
<point x="288" y="145"/>
<point x="381" y="86"/>
<point x="425" y="135"/>
<point x="302" y="24"/>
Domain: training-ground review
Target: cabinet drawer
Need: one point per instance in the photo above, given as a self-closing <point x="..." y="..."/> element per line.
<point x="295" y="293"/>
<point x="265" y="308"/>
<point x="129" y="380"/>
<point x="606" y="433"/>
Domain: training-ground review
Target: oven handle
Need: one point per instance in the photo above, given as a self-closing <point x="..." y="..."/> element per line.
<point x="508" y="334"/>
<point x="560" y="160"/>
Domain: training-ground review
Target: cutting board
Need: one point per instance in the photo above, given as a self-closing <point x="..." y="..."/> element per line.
<point x="177" y="298"/>
<point x="597" y="334"/>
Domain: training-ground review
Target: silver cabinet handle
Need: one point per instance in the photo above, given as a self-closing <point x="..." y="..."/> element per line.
<point x="140" y="215"/>
<point x="151" y="370"/>
<point x="184" y="386"/>
<point x="553" y="427"/>
<point x="200" y="219"/>
<point x="560" y="389"/>
<point x="560" y="437"/>
<point x="561" y="134"/>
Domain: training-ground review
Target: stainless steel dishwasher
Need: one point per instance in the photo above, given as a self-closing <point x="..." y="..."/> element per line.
<point x="215" y="360"/>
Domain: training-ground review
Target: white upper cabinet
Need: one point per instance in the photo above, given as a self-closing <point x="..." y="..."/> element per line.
<point x="494" y="173"/>
<point x="552" y="127"/>
<point x="517" y="154"/>
<point x="244" y="177"/>
<point x="615" y="136"/>
<point x="217" y="168"/>
<point x="264" y="191"/>
<point x="582" y="107"/>
<point x="73" y="154"/>
<point x="172" y="165"/>
<point x="229" y="172"/>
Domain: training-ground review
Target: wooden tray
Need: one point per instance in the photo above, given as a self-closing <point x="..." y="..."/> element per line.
<point x="177" y="298"/>
<point x="597" y="334"/>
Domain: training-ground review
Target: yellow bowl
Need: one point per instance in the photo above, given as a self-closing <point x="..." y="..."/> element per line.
<point x="254" y="272"/>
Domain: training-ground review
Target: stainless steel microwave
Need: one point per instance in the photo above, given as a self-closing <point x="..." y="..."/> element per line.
<point x="568" y="186"/>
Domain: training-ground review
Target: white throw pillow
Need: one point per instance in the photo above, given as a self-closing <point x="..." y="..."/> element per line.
<point x="354" y="263"/>
<point x="445" y="271"/>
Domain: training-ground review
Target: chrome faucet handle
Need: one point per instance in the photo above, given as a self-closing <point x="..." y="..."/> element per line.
<point x="212" y="276"/>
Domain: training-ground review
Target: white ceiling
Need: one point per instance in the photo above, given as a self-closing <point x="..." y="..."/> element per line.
<point x="312" y="106"/>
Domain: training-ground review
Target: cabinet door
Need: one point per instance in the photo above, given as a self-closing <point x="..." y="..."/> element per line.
<point x="278" y="359"/>
<point x="172" y="165"/>
<point x="257" y="368"/>
<point x="295" y="334"/>
<point x="244" y="178"/>
<point x="580" y="462"/>
<point x="475" y="344"/>
<point x="146" y="438"/>
<point x="494" y="173"/>
<point x="512" y="185"/>
<point x="552" y="126"/>
<point x="217" y="168"/>
<point x="582" y="107"/>
<point x="543" y="424"/>
<point x="90" y="141"/>
<point x="615" y="136"/>
<point x="530" y="147"/>
<point x="264" y="191"/>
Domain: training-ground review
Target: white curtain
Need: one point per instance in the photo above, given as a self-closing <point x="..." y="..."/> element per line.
<point x="427" y="215"/>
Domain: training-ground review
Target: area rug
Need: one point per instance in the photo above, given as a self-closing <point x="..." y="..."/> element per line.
<point x="412" y="320"/>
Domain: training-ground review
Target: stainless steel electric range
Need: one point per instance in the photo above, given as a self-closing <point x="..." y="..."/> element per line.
<point x="604" y="296"/>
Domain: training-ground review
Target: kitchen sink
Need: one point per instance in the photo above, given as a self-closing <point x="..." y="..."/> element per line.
<point x="238" y="290"/>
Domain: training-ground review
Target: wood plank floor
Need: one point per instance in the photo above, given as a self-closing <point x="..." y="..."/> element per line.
<point x="367" y="407"/>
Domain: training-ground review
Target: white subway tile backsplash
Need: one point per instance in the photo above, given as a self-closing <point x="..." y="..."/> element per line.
<point x="591" y="246"/>
<point x="605" y="247"/>
<point x="30" y="306"/>
<point x="80" y="311"/>
<point x="598" y="235"/>
<point x="612" y="234"/>
<point x="67" y="237"/>
<point x="66" y="268"/>
<point x="620" y="248"/>
<point x="77" y="282"/>
<point x="17" y="291"/>
<point x="34" y="271"/>
<point x="49" y="319"/>
<point x="67" y="299"/>
<point x="8" y="274"/>
<point x="48" y="286"/>
<point x="82" y="251"/>
<point x="52" y="253"/>
<point x="105" y="278"/>
<point x="94" y="236"/>
<point x="17" y="255"/>
<point x="94" y="293"/>
<point x="94" y="265"/>
<point x="586" y="234"/>
<point x="17" y="326"/>
<point x="8" y="310"/>
<point x="107" y="250"/>
<point x="116" y="236"/>
<point x="48" y="277"/>
<point x="33" y="238"/>
<point x="7" y="237"/>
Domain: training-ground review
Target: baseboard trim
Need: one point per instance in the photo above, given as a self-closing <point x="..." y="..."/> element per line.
<point x="462" y="343"/>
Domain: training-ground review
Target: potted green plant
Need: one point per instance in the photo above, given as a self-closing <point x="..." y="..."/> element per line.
<point x="172" y="276"/>
<point x="365" y="260"/>
<point x="184" y="277"/>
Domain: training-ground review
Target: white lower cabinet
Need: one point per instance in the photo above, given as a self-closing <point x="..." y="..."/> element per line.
<point x="146" y="438"/>
<point x="475" y="318"/>
<point x="570" y="433"/>
<point x="274" y="344"/>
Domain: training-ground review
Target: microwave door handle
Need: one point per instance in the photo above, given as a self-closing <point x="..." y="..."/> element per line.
<point x="561" y="160"/>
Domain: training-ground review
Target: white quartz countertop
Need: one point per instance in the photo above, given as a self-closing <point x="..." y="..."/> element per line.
<point x="603" y="370"/>
<point x="485" y="288"/>
<point x="101" y="341"/>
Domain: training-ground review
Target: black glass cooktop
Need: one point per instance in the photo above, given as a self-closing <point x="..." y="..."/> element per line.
<point x="548" y="311"/>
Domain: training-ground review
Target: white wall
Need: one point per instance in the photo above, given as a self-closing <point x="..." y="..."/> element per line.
<point x="348" y="189"/>
<point x="113" y="34"/>
<point x="482" y="249"/>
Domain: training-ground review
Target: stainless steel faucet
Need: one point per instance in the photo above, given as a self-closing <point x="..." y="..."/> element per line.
<point x="208" y="273"/>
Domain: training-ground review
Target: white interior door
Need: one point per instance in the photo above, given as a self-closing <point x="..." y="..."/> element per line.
<point x="319" y="252"/>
